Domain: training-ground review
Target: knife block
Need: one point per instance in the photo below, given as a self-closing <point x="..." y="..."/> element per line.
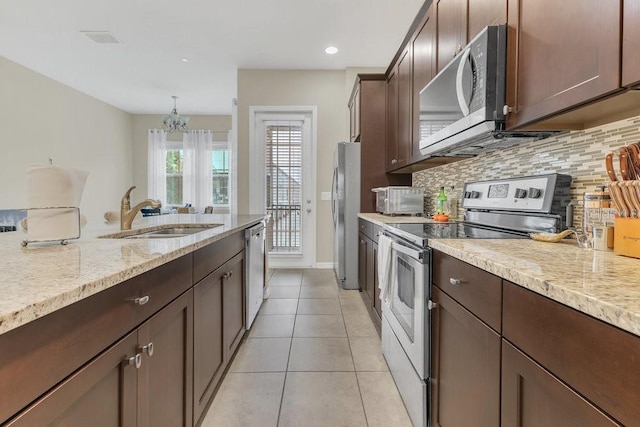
<point x="626" y="237"/>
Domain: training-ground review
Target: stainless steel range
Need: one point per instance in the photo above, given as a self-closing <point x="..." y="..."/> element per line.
<point x="499" y="209"/>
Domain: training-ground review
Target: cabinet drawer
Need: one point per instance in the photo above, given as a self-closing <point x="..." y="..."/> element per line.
<point x="475" y="289"/>
<point x="49" y="349"/>
<point x="211" y="257"/>
<point x="598" y="360"/>
<point x="365" y="227"/>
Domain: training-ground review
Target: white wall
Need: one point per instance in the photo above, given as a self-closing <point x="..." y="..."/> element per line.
<point x="323" y="89"/>
<point x="143" y="122"/>
<point x="41" y="118"/>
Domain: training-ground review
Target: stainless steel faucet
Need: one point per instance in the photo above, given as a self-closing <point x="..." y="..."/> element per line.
<point x="127" y="214"/>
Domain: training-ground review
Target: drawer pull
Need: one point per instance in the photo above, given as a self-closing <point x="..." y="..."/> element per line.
<point x="227" y="275"/>
<point x="454" y="281"/>
<point x="147" y="349"/>
<point x="135" y="360"/>
<point x="141" y="300"/>
<point x="431" y="305"/>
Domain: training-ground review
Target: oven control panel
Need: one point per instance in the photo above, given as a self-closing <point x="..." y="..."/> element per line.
<point x="526" y="194"/>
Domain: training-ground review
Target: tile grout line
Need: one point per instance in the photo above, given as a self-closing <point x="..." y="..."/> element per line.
<point x="355" y="371"/>
<point x="286" y="373"/>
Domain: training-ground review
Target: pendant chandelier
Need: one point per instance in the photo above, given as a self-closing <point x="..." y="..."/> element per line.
<point x="174" y="122"/>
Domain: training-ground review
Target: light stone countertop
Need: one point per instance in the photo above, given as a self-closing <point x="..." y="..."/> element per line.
<point x="380" y="219"/>
<point x="599" y="283"/>
<point x="43" y="277"/>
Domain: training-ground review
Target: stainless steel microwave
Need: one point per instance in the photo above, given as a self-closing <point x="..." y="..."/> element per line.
<point x="462" y="108"/>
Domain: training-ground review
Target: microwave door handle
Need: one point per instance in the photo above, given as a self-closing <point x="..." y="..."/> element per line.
<point x="418" y="255"/>
<point x="462" y="102"/>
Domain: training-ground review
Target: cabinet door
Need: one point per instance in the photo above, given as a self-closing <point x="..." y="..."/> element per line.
<point x="377" y="304"/>
<point x="465" y="374"/>
<point x="561" y="59"/>
<point x="362" y="262"/>
<point x="485" y="12"/>
<point x="452" y="29"/>
<point x="370" y="273"/>
<point x="631" y="43"/>
<point x="103" y="392"/>
<point x="405" y="107"/>
<point x="208" y="353"/>
<point x="233" y="302"/>
<point x="424" y="50"/>
<point x="392" y="120"/>
<point x="165" y="385"/>
<point x="531" y="396"/>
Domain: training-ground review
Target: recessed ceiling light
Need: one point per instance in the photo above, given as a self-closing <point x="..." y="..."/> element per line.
<point x="331" y="50"/>
<point x="184" y="59"/>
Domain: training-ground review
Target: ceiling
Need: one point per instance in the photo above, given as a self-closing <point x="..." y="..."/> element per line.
<point x="140" y="74"/>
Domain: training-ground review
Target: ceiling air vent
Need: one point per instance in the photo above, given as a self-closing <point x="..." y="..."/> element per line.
<point x="101" y="37"/>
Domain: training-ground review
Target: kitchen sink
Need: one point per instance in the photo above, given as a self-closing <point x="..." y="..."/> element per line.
<point x="163" y="233"/>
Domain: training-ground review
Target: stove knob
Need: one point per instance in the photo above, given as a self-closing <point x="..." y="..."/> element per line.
<point x="521" y="193"/>
<point x="475" y="194"/>
<point x="535" y="193"/>
<point x="467" y="194"/>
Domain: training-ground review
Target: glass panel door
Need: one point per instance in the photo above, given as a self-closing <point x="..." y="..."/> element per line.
<point x="283" y="155"/>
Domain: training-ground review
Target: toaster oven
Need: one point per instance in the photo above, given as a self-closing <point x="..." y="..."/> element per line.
<point x="399" y="200"/>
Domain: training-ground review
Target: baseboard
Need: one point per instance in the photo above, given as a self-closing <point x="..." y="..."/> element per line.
<point x="326" y="265"/>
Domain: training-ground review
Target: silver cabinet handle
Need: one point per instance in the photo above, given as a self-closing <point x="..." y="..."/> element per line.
<point x="454" y="281"/>
<point x="227" y="275"/>
<point x="135" y="360"/>
<point x="431" y="305"/>
<point x="147" y="349"/>
<point x="141" y="300"/>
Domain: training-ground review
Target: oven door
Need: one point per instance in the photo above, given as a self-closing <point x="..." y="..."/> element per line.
<point x="405" y="311"/>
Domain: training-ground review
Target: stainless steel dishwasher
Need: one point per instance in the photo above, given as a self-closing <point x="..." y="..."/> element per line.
<point x="254" y="269"/>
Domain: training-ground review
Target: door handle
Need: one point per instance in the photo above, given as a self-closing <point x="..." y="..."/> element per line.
<point x="147" y="349"/>
<point x="134" y="361"/>
<point x="462" y="102"/>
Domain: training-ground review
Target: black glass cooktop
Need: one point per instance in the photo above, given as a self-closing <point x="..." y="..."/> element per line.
<point x="420" y="233"/>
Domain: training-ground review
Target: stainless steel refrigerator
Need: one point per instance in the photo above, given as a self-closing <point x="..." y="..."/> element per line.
<point x="345" y="205"/>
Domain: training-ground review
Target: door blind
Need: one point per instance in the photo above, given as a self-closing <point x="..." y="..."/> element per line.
<point x="283" y="155"/>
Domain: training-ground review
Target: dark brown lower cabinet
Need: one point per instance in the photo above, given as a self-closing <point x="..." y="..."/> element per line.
<point x="218" y="327"/>
<point x="465" y="372"/>
<point x="165" y="379"/>
<point x="368" y="268"/>
<point x="114" y="390"/>
<point x="531" y="396"/>
<point x="362" y="261"/>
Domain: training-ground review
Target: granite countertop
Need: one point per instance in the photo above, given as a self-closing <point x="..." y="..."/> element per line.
<point x="380" y="219"/>
<point x="599" y="283"/>
<point x="41" y="278"/>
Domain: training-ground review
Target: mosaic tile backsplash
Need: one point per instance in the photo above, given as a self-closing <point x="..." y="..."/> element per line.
<point x="576" y="153"/>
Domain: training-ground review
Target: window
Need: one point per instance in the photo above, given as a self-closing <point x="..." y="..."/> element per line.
<point x="284" y="186"/>
<point x="220" y="175"/>
<point x="195" y="171"/>
<point x="174" y="177"/>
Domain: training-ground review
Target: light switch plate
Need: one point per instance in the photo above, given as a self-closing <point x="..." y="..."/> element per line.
<point x="325" y="195"/>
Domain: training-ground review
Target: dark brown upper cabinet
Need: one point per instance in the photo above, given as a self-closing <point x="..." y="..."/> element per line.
<point x="399" y="112"/>
<point x="561" y="55"/>
<point x="452" y="29"/>
<point x="424" y="65"/>
<point x="485" y="12"/>
<point x="631" y="43"/>
<point x="392" y="120"/>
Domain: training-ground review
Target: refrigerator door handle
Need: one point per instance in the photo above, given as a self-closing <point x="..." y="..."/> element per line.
<point x="333" y="196"/>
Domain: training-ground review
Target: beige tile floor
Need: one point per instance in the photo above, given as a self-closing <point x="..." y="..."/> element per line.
<point x="312" y="358"/>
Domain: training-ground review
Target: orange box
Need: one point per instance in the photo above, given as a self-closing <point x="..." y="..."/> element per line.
<point x="626" y="237"/>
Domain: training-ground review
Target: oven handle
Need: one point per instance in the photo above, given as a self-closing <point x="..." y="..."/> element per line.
<point x="413" y="253"/>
